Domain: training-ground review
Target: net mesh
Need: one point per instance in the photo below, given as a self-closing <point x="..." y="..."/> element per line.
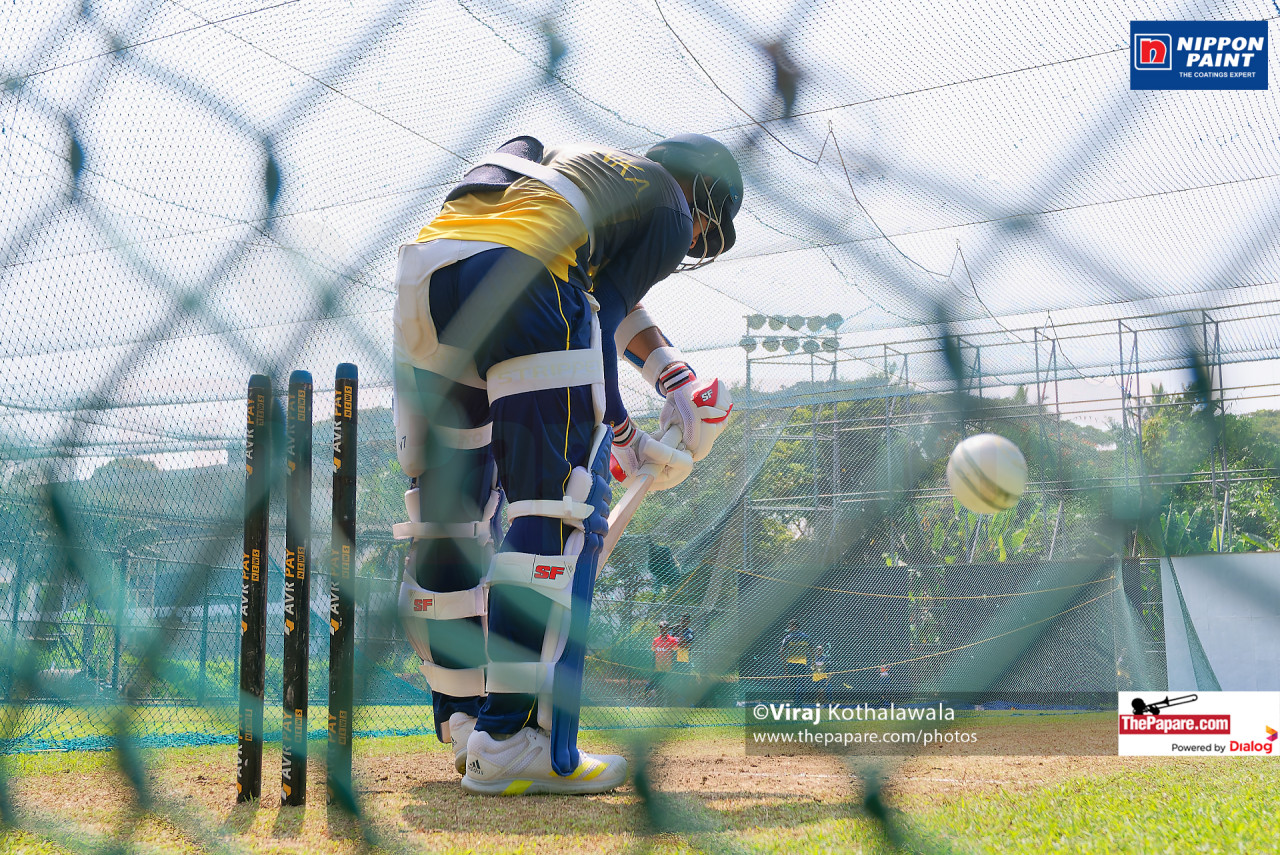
<point x="1003" y="238"/>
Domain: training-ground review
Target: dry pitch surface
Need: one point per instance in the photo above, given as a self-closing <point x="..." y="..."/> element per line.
<point x="716" y="798"/>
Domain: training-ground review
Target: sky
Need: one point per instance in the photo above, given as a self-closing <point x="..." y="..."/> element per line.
<point x="981" y="169"/>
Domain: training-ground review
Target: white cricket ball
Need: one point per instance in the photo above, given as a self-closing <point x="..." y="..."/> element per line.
<point x="987" y="473"/>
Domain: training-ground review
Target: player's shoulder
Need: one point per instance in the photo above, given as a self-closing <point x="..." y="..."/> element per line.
<point x="617" y="158"/>
<point x="644" y="178"/>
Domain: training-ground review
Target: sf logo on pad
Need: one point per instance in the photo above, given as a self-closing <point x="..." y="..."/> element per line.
<point x="545" y="571"/>
<point x="1152" y="51"/>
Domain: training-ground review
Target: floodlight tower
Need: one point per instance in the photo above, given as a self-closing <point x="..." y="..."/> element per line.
<point x="775" y="338"/>
<point x="803" y="334"/>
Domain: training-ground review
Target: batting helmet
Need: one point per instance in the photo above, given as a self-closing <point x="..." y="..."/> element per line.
<point x="709" y="168"/>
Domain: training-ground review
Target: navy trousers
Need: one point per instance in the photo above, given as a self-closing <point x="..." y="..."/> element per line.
<point x="538" y="437"/>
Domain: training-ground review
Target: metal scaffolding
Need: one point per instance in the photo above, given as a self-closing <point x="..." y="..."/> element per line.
<point x="856" y="389"/>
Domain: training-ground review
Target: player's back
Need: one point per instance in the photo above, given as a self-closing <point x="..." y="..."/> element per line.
<point x="630" y="198"/>
<point x="795" y="647"/>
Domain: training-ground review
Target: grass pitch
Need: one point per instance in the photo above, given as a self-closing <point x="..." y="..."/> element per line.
<point x="715" y="798"/>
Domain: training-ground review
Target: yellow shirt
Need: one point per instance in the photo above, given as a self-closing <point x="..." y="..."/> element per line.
<point x="527" y="216"/>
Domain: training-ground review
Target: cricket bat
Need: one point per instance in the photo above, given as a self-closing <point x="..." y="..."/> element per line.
<point x="622" y="513"/>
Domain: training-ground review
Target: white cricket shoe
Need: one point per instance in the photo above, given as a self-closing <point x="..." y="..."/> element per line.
<point x="460" y="727"/>
<point x="521" y="765"/>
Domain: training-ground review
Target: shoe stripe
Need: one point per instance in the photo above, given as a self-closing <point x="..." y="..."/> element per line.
<point x="595" y="772"/>
<point x="585" y="766"/>
<point x="516" y="788"/>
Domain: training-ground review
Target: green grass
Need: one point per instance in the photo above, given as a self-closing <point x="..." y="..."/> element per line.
<point x="46" y="726"/>
<point x="714" y="798"/>
<point x="1211" y="805"/>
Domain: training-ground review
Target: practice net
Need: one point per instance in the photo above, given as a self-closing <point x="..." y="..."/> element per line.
<point x="1004" y="239"/>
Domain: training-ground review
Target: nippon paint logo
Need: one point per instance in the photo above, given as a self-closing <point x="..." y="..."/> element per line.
<point x="1153" y="51"/>
<point x="1198" y="54"/>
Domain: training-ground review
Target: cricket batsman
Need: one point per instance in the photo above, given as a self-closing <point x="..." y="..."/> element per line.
<point x="513" y="307"/>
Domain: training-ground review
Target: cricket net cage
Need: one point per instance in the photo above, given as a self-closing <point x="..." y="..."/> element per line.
<point x="1003" y="238"/>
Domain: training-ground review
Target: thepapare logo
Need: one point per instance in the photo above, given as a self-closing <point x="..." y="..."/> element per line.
<point x="1175" y="725"/>
<point x="1141" y="707"/>
<point x="1153" y="51"/>
<point x="547" y="571"/>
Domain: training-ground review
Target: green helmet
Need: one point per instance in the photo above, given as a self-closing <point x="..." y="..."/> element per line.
<point x="709" y="168"/>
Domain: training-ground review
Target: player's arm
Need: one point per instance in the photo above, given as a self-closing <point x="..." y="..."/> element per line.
<point x="632" y="447"/>
<point x="655" y="252"/>
<point x="700" y="410"/>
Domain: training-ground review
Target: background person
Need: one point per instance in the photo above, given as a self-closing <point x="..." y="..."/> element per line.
<point x="821" y="674"/>
<point x="682" y="668"/>
<point x="796" y="650"/>
<point x="664" y="648"/>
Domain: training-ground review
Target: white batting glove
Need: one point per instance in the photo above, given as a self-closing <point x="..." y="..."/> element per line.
<point x="672" y="378"/>
<point x="700" y="410"/>
<point x="676" y="384"/>
<point x="633" y="448"/>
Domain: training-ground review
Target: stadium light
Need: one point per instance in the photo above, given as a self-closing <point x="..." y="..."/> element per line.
<point x="815" y="323"/>
<point x="790" y="345"/>
<point x="810" y="346"/>
<point x="831" y="344"/>
<point x="776" y="322"/>
<point x="795" y="322"/>
<point x="771" y="344"/>
<point x="755" y="322"/>
<point x="834" y="321"/>
<point x="748" y="343"/>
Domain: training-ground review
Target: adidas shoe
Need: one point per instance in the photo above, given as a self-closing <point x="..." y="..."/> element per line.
<point x="460" y="727"/>
<point x="521" y="765"/>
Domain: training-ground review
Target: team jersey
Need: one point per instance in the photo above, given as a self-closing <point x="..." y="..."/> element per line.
<point x="686" y="641"/>
<point x="663" y="648"/>
<point x="640" y="233"/>
<point x="527" y="216"/>
<point x="641" y="230"/>
<point x="666" y="641"/>
<point x="795" y="648"/>
<point x="642" y="223"/>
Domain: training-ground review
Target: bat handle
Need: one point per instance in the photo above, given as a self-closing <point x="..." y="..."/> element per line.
<point x="672" y="436"/>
